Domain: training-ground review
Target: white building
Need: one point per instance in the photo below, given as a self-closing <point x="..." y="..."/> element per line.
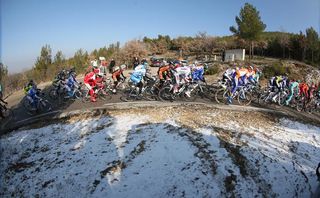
<point x="235" y="54"/>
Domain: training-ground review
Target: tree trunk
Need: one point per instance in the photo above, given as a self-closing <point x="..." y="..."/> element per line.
<point x="312" y="55"/>
<point x="250" y="51"/>
<point x="303" y="54"/>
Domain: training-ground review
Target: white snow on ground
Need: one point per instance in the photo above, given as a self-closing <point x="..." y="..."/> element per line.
<point x="127" y="155"/>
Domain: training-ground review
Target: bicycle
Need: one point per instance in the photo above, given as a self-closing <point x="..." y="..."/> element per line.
<point x="99" y="91"/>
<point x="243" y="96"/>
<point x="41" y="106"/>
<point x="5" y="113"/>
<point x="185" y="92"/>
<point x="109" y="85"/>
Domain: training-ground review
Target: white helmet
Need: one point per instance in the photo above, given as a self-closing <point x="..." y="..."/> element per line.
<point x="123" y="66"/>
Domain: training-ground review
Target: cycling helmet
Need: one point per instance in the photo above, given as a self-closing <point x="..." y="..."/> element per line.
<point x="123" y="66"/>
<point x="143" y="61"/>
<point x="73" y="74"/>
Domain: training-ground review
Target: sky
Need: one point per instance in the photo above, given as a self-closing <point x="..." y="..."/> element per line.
<point x="68" y="25"/>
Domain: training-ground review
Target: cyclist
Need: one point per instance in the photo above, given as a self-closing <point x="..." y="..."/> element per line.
<point x="30" y="85"/>
<point x="32" y="94"/>
<point x="257" y="75"/>
<point x="198" y="73"/>
<point x="239" y="77"/>
<point x="163" y="71"/>
<point x="228" y="75"/>
<point x="294" y="88"/>
<point x="117" y="74"/>
<point x="1" y="114"/>
<point x="251" y="76"/>
<point x="280" y="83"/>
<point x="182" y="75"/>
<point x="312" y="89"/>
<point x="90" y="82"/>
<point x="71" y="83"/>
<point x="304" y="89"/>
<point x="138" y="75"/>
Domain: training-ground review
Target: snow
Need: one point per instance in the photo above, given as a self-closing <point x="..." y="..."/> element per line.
<point x="130" y="155"/>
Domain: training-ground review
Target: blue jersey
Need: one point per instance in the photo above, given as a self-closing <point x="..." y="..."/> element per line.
<point x="136" y="77"/>
<point x="197" y="74"/>
<point x="32" y="92"/>
<point x="71" y="81"/>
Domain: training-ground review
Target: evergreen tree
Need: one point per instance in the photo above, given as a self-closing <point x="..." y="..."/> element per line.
<point x="312" y="41"/>
<point x="44" y="61"/>
<point x="59" y="60"/>
<point x="249" y="24"/>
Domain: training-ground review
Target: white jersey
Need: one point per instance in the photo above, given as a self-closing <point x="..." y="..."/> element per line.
<point x="186" y="71"/>
<point x="229" y="72"/>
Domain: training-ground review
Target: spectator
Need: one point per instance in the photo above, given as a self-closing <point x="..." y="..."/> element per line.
<point x="136" y="62"/>
<point x="111" y="65"/>
<point x="103" y="66"/>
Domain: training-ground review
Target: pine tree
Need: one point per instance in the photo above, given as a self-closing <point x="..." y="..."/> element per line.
<point x="312" y="41"/>
<point x="44" y="61"/>
<point x="249" y="24"/>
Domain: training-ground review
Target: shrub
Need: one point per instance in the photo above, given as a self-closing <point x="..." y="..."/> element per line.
<point x="275" y="69"/>
<point x="212" y="70"/>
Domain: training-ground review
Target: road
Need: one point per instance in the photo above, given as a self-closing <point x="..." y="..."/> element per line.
<point x="20" y="114"/>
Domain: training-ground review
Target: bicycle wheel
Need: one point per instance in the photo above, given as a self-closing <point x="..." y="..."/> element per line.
<point x="103" y="95"/>
<point x="122" y="86"/>
<point x="53" y="94"/>
<point x="300" y="105"/>
<point x="78" y="94"/>
<point x="244" y="99"/>
<point x="27" y="104"/>
<point x="7" y="113"/>
<point x="218" y="96"/>
<point x="165" y="94"/>
<point x="85" y="96"/>
<point x="129" y="95"/>
<point x="190" y="95"/>
<point x="148" y="93"/>
<point x="207" y="92"/>
<point x="45" y="106"/>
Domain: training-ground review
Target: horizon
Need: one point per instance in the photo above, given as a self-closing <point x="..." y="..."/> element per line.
<point x="73" y="25"/>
